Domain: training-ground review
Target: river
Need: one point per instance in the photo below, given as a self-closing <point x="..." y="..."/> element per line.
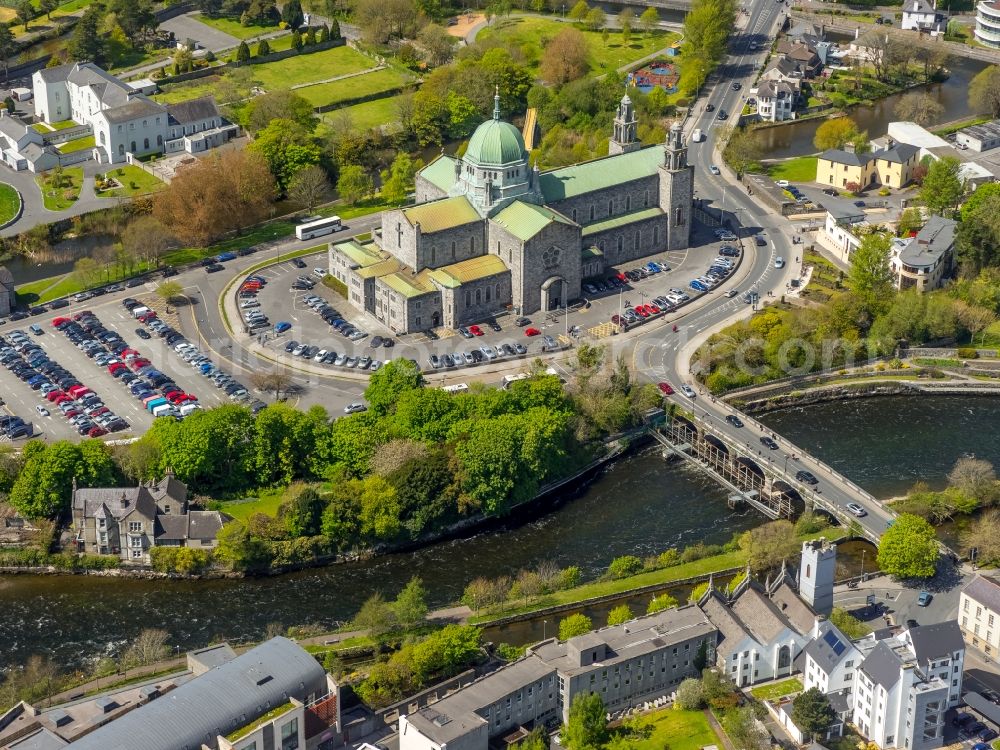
<point x="796" y="138"/>
<point x="641" y="505"/>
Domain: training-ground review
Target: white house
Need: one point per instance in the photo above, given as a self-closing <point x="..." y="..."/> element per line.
<point x="979" y="606"/>
<point x="123" y="119"/>
<point x="842" y="229"/>
<point x="22" y="147"/>
<point x="921" y="15"/>
<point x="775" y="101"/>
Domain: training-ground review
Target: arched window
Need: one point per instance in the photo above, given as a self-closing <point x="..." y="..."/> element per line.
<point x="611" y="207"/>
<point x="628" y="202"/>
<point x="100" y="137"/>
<point x="468" y="298"/>
<point x="499" y="291"/>
<point x="591" y="213"/>
<point x="159" y="141"/>
<point x="487" y="297"/>
<point x="784" y="657"/>
<point x="453" y="249"/>
<point x="145" y="144"/>
<point x="574" y="214"/>
<point x="133" y="147"/>
<point x="472" y="244"/>
<point x="479" y="296"/>
<point x="121" y="149"/>
<point x="646" y="198"/>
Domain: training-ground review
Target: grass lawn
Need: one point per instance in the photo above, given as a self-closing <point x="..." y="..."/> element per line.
<point x="174" y="93"/>
<point x="77" y="144"/>
<point x="10" y="201"/>
<point x="990" y="337"/>
<point x="349" y="88"/>
<point x="799" y="169"/>
<point x="370" y="114"/>
<point x="317" y="66"/>
<point x="670" y="728"/>
<point x="233" y="27"/>
<point x="777" y="689"/>
<point x="267" y="503"/>
<point x="129" y="176"/>
<point x="531" y="35"/>
<point x="64" y="197"/>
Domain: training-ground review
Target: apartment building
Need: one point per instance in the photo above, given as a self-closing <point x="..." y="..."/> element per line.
<point x="627" y="665"/>
<point x="979" y="614"/>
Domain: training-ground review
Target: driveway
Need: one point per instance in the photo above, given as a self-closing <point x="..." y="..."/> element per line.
<point x="188" y="27"/>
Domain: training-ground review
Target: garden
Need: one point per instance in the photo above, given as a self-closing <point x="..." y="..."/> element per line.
<point x="799" y="169"/>
<point x="126" y="181"/>
<point x="234" y="28"/>
<point x="61" y="186"/>
<point x="375" y="82"/>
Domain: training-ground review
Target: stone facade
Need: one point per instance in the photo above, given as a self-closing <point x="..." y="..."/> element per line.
<point x="430" y="265"/>
<point x="6" y="291"/>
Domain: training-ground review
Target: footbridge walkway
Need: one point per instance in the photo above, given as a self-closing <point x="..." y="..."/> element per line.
<point x="772" y="480"/>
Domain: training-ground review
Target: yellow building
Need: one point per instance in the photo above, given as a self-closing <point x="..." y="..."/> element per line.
<point x="891" y="167"/>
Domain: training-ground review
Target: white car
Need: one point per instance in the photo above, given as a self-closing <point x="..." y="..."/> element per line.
<point x="42" y="410"/>
<point x="779" y="262"/>
<point x="857" y="510"/>
<point x="781" y="183"/>
<point x="714" y="169"/>
<point x="354" y="407"/>
<point x="687" y="391"/>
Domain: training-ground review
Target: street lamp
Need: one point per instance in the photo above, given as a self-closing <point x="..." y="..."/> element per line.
<point x="863" y="551"/>
<point x="784" y="469"/>
<point x="544" y="624"/>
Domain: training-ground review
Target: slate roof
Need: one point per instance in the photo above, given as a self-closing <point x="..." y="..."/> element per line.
<point x="137" y="107"/>
<point x="171" y="527"/>
<point x="12" y="127"/>
<point x="799" y="614"/>
<point x="58" y="73"/>
<point x="838" y="156"/>
<point x="935" y="239"/>
<point x="215" y="702"/>
<point x="205" y="524"/>
<point x="195" y="110"/>
<point x="932" y="642"/>
<point x="917" y="6"/>
<point x="90" y="500"/>
<point x="759" y="614"/>
<point x="821" y="652"/>
<point x="589" y="176"/>
<point x="439" y="215"/>
<point x="525" y="220"/>
<point x="774" y="90"/>
<point x="732" y="631"/>
<point x="882" y="666"/>
<point x="982" y="589"/>
<point x="112" y="92"/>
<point x="169" y="486"/>
<point x="900" y="153"/>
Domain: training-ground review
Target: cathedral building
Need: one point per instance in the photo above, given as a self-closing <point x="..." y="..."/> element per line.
<point x="489" y="233"/>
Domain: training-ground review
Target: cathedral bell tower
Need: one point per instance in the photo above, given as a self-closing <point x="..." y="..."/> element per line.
<point x="624" y="138"/>
<point x="676" y="189"/>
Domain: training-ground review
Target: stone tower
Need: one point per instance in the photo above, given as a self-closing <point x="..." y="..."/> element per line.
<point x="676" y="189"/>
<point x="624" y="138"/>
<point x="817" y="570"/>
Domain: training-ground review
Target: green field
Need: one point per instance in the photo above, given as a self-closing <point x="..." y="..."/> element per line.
<point x="315" y="66"/>
<point x="322" y="94"/>
<point x="173" y="93"/>
<point x="267" y="503"/>
<point x="670" y="729"/>
<point x="10" y="202"/>
<point x="77" y="144"/>
<point x="799" y="169"/>
<point x="777" y="689"/>
<point x="65" y="196"/>
<point x="129" y="175"/>
<point x="234" y="28"/>
<point x="370" y="114"/>
<point x="531" y="35"/>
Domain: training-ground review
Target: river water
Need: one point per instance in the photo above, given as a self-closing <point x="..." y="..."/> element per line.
<point x="796" y="138"/>
<point x="640" y="506"/>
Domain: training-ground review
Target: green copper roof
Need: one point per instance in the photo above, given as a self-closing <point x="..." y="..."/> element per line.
<point x="446" y="213"/>
<point x="620" y="221"/>
<point x="496" y="142"/>
<point x="568" y="182"/>
<point x="472" y="269"/>
<point x="361" y="255"/>
<point x="525" y="220"/>
<point x="440" y="172"/>
<point x="409" y="286"/>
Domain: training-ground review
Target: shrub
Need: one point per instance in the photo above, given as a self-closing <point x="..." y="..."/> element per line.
<point x="625" y="566"/>
<point x="574" y="625"/>
<point x="690" y="695"/>
<point x="967" y="352"/>
<point x="569" y="577"/>
<point x="669" y="558"/>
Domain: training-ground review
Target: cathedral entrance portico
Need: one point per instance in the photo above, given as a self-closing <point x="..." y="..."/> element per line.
<point x="553" y="293"/>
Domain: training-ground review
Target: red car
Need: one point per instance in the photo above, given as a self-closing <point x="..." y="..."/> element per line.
<point x="532" y="332"/>
<point x="59" y="322"/>
<point x="622" y="277"/>
<point x="653" y="309"/>
<point x="146" y="317"/>
<point x="96" y="432"/>
<point x="665" y="388"/>
<point x="115" y="367"/>
<point x="53" y="395"/>
<point x="641" y="311"/>
<point x="475" y="330"/>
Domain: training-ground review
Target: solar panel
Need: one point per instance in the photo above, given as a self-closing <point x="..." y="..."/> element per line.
<point x="833" y="642"/>
<point x="839" y="648"/>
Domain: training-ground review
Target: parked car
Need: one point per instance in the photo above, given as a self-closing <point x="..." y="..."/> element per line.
<point x="806" y="476"/>
<point x="857" y="510"/>
<point x="687" y="391"/>
<point x="532" y="332"/>
<point x="665" y="388"/>
<point x="923" y="600"/>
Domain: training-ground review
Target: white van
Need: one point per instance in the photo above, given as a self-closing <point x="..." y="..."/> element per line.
<point x="136" y="312"/>
<point x="697" y="136"/>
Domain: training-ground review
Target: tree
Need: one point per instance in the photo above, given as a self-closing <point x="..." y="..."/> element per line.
<point x="745" y="731"/>
<point x="44" y="485"/>
<point x="47" y="6"/>
<point x="87" y="42"/>
<point x="975" y="478"/>
<point x="625" y="20"/>
<point x="975" y="318"/>
<point x="354" y="184"/>
<point x="942" y="187"/>
<point x="291" y="14"/>
<point x="981" y="539"/>
<point x="309" y="187"/>
<point x="25" y="12"/>
<point x="263" y="48"/>
<point x="849" y="625"/>
<point x="870" y="277"/>
<point x="242" y="54"/>
<point x="437" y="42"/>
<point x="287" y="149"/>
<point x="276" y="381"/>
<point x="579" y="11"/>
<point x="835" y="133"/>
<point x="565" y="58"/>
<point x="574" y="625"/>
<point x="649" y="19"/>
<point x="908" y="548"/>
<point x="382" y="20"/>
<point x="397" y="181"/>
<point x="984" y="91"/>
<point x="921" y="108"/>
<point x="410" y="606"/>
<point x="811" y="712"/>
<point x="596" y="18"/>
<point x="660" y="603"/>
<point x="706" y="30"/>
<point x="691" y="695"/>
<point x="909" y="222"/>
<point x="586" y="727"/>
<point x="620" y="615"/>
<point x="624" y="566"/>
<point x="743" y="150"/>
<point x="389" y="383"/>
<point x="375" y="616"/>
<point x="767" y="545"/>
<point x="148" y="648"/>
<point x="280" y="104"/>
<point x="170" y="292"/>
<point x="8" y="47"/>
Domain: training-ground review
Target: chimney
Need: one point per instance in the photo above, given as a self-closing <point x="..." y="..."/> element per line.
<point x="124" y="501"/>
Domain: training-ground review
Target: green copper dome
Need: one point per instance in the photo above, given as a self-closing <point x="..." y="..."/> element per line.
<point x="495" y="142"/>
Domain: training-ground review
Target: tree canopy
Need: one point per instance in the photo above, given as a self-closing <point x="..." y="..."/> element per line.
<point x="908" y="548"/>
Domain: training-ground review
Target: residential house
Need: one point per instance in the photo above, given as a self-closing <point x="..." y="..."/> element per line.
<point x="630" y="664"/>
<point x="801" y="54"/>
<point x="892" y="167"/>
<point x="7" y="296"/>
<point x="922" y="262"/>
<point x="979" y="613"/>
<point x="762" y="629"/>
<point x="23" y="147"/>
<point x="276" y="695"/>
<point x="130" y="521"/>
<point x="775" y="101"/>
<point x="844" y="226"/>
<point x="784" y="70"/>
<point x="125" y="122"/>
<point x="830" y="662"/>
<point x="922" y="15"/>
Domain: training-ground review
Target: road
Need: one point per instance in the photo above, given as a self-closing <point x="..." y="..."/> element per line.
<point x="661" y="358"/>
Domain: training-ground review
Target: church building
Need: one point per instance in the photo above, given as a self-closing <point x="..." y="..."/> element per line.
<point x="489" y="233"/>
